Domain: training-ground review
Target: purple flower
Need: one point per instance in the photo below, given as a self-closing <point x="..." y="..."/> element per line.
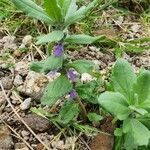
<point x="58" y="50"/>
<point x="52" y="73"/>
<point x="72" y="75"/>
<point x="73" y="94"/>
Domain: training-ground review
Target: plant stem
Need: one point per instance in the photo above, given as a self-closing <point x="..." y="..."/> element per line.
<point x="82" y="107"/>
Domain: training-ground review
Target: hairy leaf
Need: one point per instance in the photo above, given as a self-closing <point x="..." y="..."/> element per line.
<point x="56" y="90"/>
<point x="33" y="10"/>
<point x="82" y="66"/>
<point x="44" y="66"/>
<point x="93" y="117"/>
<point x="139" y="133"/>
<point x="88" y="91"/>
<point x="65" y="5"/>
<point x="79" y="14"/>
<point x="114" y="103"/>
<point x="82" y="39"/>
<point x="123" y="78"/>
<point x="53" y="10"/>
<point x="71" y="9"/>
<point x="142" y="87"/>
<point x="68" y="111"/>
<point x="54" y="36"/>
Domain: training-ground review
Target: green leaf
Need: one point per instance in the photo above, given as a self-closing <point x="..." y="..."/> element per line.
<point x="139" y="133"/>
<point x="68" y="111"/>
<point x="88" y="91"/>
<point x="56" y="90"/>
<point x="123" y="78"/>
<point x="115" y="103"/>
<point x="118" y="132"/>
<point x="54" y="36"/>
<point x="93" y="117"/>
<point x="41" y="112"/>
<point x="79" y="14"/>
<point x="64" y="5"/>
<point x="138" y="110"/>
<point x="53" y="10"/>
<point x="142" y="87"/>
<point x="88" y="130"/>
<point x="82" y="66"/>
<point x="82" y="39"/>
<point x="33" y="10"/>
<point x="44" y="66"/>
<point x="145" y="120"/>
<point x="71" y="9"/>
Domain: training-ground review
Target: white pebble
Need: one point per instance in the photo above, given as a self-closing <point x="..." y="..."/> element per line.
<point x="26" y="104"/>
<point x="85" y="77"/>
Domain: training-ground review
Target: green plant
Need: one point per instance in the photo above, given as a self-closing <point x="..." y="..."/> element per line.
<point x="60" y="14"/>
<point x="129" y="102"/>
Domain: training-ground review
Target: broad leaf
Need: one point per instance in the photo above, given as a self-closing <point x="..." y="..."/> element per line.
<point x="88" y="91"/>
<point x="33" y="10"/>
<point x="54" y="36"/>
<point x="56" y="90"/>
<point x="82" y="66"/>
<point x="142" y="87"/>
<point x="93" y="117"/>
<point x="82" y="39"/>
<point x="123" y="78"/>
<point x="139" y="133"/>
<point x="115" y="103"/>
<point x="44" y="66"/>
<point x="53" y="10"/>
<point x="68" y="111"/>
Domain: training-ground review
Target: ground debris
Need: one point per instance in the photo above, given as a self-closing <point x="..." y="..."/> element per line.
<point x="6" y="142"/>
<point x="37" y="123"/>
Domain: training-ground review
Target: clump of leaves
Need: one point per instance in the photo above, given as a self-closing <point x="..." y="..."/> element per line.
<point x="129" y="102"/>
<point x="60" y="14"/>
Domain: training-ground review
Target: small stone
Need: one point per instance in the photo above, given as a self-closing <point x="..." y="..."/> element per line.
<point x="9" y="42"/>
<point x="26" y="138"/>
<point x="96" y="62"/>
<point x="22" y="68"/>
<point x="17" y="53"/>
<point x="26" y="104"/>
<point x="34" y="85"/>
<point x="120" y="20"/>
<point x="58" y="144"/>
<point x="18" y="80"/>
<point x="7" y="83"/>
<point x="6" y="141"/>
<point x="37" y="123"/>
<point x="27" y="40"/>
<point x="21" y="146"/>
<point x="25" y="133"/>
<point x="135" y="28"/>
<point x="85" y="77"/>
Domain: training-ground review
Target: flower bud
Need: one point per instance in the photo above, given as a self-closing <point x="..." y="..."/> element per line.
<point x="58" y="50"/>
